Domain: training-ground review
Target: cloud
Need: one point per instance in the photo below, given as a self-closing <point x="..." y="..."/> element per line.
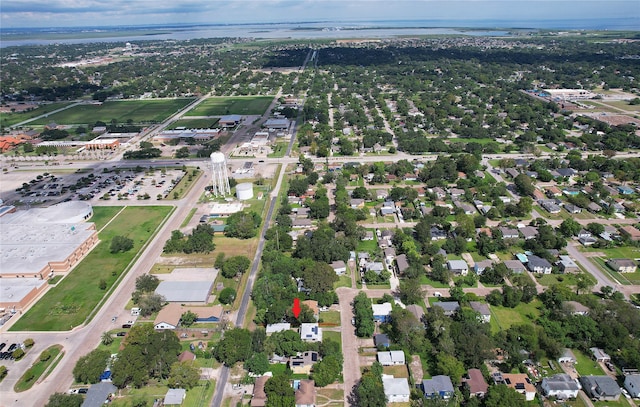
<point x="27" y="13"/>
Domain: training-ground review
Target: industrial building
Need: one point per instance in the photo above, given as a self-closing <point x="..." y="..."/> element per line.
<point x="185" y="291"/>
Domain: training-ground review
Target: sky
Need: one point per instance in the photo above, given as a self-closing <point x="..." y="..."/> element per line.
<point x="78" y="13"/>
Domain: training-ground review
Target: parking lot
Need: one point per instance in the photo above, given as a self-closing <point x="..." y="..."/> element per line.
<point x="6" y="350"/>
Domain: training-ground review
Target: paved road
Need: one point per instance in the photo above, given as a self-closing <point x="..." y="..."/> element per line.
<point x="351" y="366"/>
<point x="82" y="340"/>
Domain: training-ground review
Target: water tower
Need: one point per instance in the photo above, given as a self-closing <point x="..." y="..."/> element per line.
<point x="219" y="178"/>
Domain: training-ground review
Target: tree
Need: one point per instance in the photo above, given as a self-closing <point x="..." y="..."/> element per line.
<point x="227" y="295"/>
<point x="106" y="338"/>
<point x="327" y="370"/>
<point x="584" y="282"/>
<point x="370" y="391"/>
<point x="184" y="375"/>
<point x="3" y="372"/>
<point x="569" y="227"/>
<point x="363" y="314"/>
<point x="182" y="152"/>
<point x="503" y="396"/>
<point x="28" y="342"/>
<point x="65" y="400"/>
<point x="147" y="283"/>
<point x="89" y="367"/>
<point x="150" y="303"/>
<point x="286" y="343"/>
<point x="410" y="291"/>
<point x="524" y="184"/>
<point x="188" y="318"/>
<point x="448" y="365"/>
<point x="235" y="265"/>
<point x="257" y="364"/>
<point x="234" y="347"/>
<point x="243" y="225"/>
<point x="120" y="244"/>
<point x="279" y="391"/>
<point x="18" y="354"/>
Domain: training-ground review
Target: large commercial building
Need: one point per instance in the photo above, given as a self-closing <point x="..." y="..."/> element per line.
<point x="39" y="243"/>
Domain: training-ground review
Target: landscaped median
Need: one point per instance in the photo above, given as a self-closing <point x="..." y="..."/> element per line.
<point x="73" y="299"/>
<point x="41" y="366"/>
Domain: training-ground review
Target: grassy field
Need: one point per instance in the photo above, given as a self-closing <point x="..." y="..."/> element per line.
<point x="9" y="119"/>
<point x="139" y="111"/>
<point x="502" y="318"/>
<point x="103" y="214"/>
<point x="279" y="150"/>
<point x="334" y="336"/>
<point x="242" y="105"/>
<point x="193" y="124"/>
<point x="396" y="371"/>
<point x="31" y="376"/>
<point x="331" y="317"/>
<point x="586" y="365"/>
<point x="550" y="279"/>
<point x="71" y="301"/>
<point x="185" y="183"/>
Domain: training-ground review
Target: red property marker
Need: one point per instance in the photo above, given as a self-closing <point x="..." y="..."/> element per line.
<point x="296" y="307"/>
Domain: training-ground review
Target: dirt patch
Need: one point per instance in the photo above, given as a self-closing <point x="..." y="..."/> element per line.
<point x="415" y="366"/>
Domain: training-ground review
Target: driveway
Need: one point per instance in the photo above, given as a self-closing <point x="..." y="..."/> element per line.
<point x="350" y="343"/>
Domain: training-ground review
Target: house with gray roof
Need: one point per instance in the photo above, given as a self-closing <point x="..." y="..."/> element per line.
<point x="458" y="267"/>
<point x="482" y="309"/>
<point x="391" y="358"/>
<point x="449" y="307"/>
<point x="560" y="386"/>
<point x="416" y="310"/>
<point x="602" y="388"/>
<point x="567" y="357"/>
<point x="599" y="355"/>
<point x="539" y="265"/>
<point x="438" y="386"/>
<point x="174" y="397"/>
<point x="509" y="233"/>
<point x="632" y="384"/>
<point x="567" y="265"/>
<point x="528" y="232"/>
<point x="98" y="394"/>
<point x="515" y="266"/>
<point x="402" y="264"/>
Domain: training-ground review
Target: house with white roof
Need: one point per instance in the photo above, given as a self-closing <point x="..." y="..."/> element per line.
<point x="458" y="267"/>
<point x="396" y="390"/>
<point x="391" y="358"/>
<point x="310" y="332"/>
<point x="381" y="312"/>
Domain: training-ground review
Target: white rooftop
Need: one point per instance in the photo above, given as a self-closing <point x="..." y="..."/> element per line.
<point x="381" y="309"/>
<point x="225" y="208"/>
<point x="185" y="291"/>
<point x="15" y="289"/>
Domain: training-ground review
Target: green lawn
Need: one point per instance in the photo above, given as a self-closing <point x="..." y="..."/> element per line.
<point x="502" y="318"/>
<point x="103" y="214"/>
<point x="31" y="376"/>
<point x="193" y="124"/>
<point x="586" y="365"/>
<point x="424" y="280"/>
<point x="9" y="119"/>
<point x="343" y="281"/>
<point x="331" y="317"/>
<point x="369" y="246"/>
<point x="71" y="301"/>
<point x="185" y="183"/>
<point x="331" y="335"/>
<point x="139" y="111"/>
<point x="279" y="150"/>
<point x="242" y="105"/>
<point x="563" y="279"/>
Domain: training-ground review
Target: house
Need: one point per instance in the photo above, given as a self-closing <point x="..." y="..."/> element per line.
<point x="401" y="263"/>
<point x="381" y="312"/>
<point x="396" y="390"/>
<point x="449" y="308"/>
<point x="630" y="232"/>
<point x="539" y="265"/>
<point x="438" y="386"/>
<point x="560" y="386"/>
<point x="259" y="398"/>
<point x="632" y="384"/>
<point x="567" y="357"/>
<point x="368" y="235"/>
<point x="381" y="340"/>
<point x="174" y="397"/>
<point x="573" y="209"/>
<point x="282" y="326"/>
<point x="622" y="265"/>
<point x="382" y="194"/>
<point x="594" y="207"/>
<point x="528" y="232"/>
<point x="566" y="172"/>
<point x="169" y="316"/>
<point x="481" y="266"/>
<point x="475" y="383"/>
<point x="310" y="332"/>
<point x="567" y="265"/>
<point x="385" y="211"/>
<point x="576" y="308"/>
<point x="229" y="120"/>
<point x="512" y="172"/>
<point x="98" y="394"/>
<point x="601" y="388"/>
<point x="302" y="363"/>
<point x="587" y="241"/>
<point x="299" y="223"/>
<point x="375" y="266"/>
<point x="339" y="267"/>
<point x="458" y="267"/>
<point x="515" y="266"/>
<point x="305" y="393"/>
<point x="437" y="233"/>
<point x="391" y="358"/>
<point x="482" y="309"/>
<point x="553" y="191"/>
<point x="456" y="192"/>
<point x="416" y="310"/>
<point x="599" y="355"/>
<point x="549" y="205"/>
<point x="509" y="233"/>
<point x="520" y="382"/>
<point x="357" y="203"/>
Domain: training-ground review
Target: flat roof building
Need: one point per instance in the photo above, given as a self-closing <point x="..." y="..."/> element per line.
<point x="185" y="291"/>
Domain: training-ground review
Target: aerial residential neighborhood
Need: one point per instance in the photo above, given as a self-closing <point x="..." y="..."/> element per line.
<point x="433" y="219"/>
